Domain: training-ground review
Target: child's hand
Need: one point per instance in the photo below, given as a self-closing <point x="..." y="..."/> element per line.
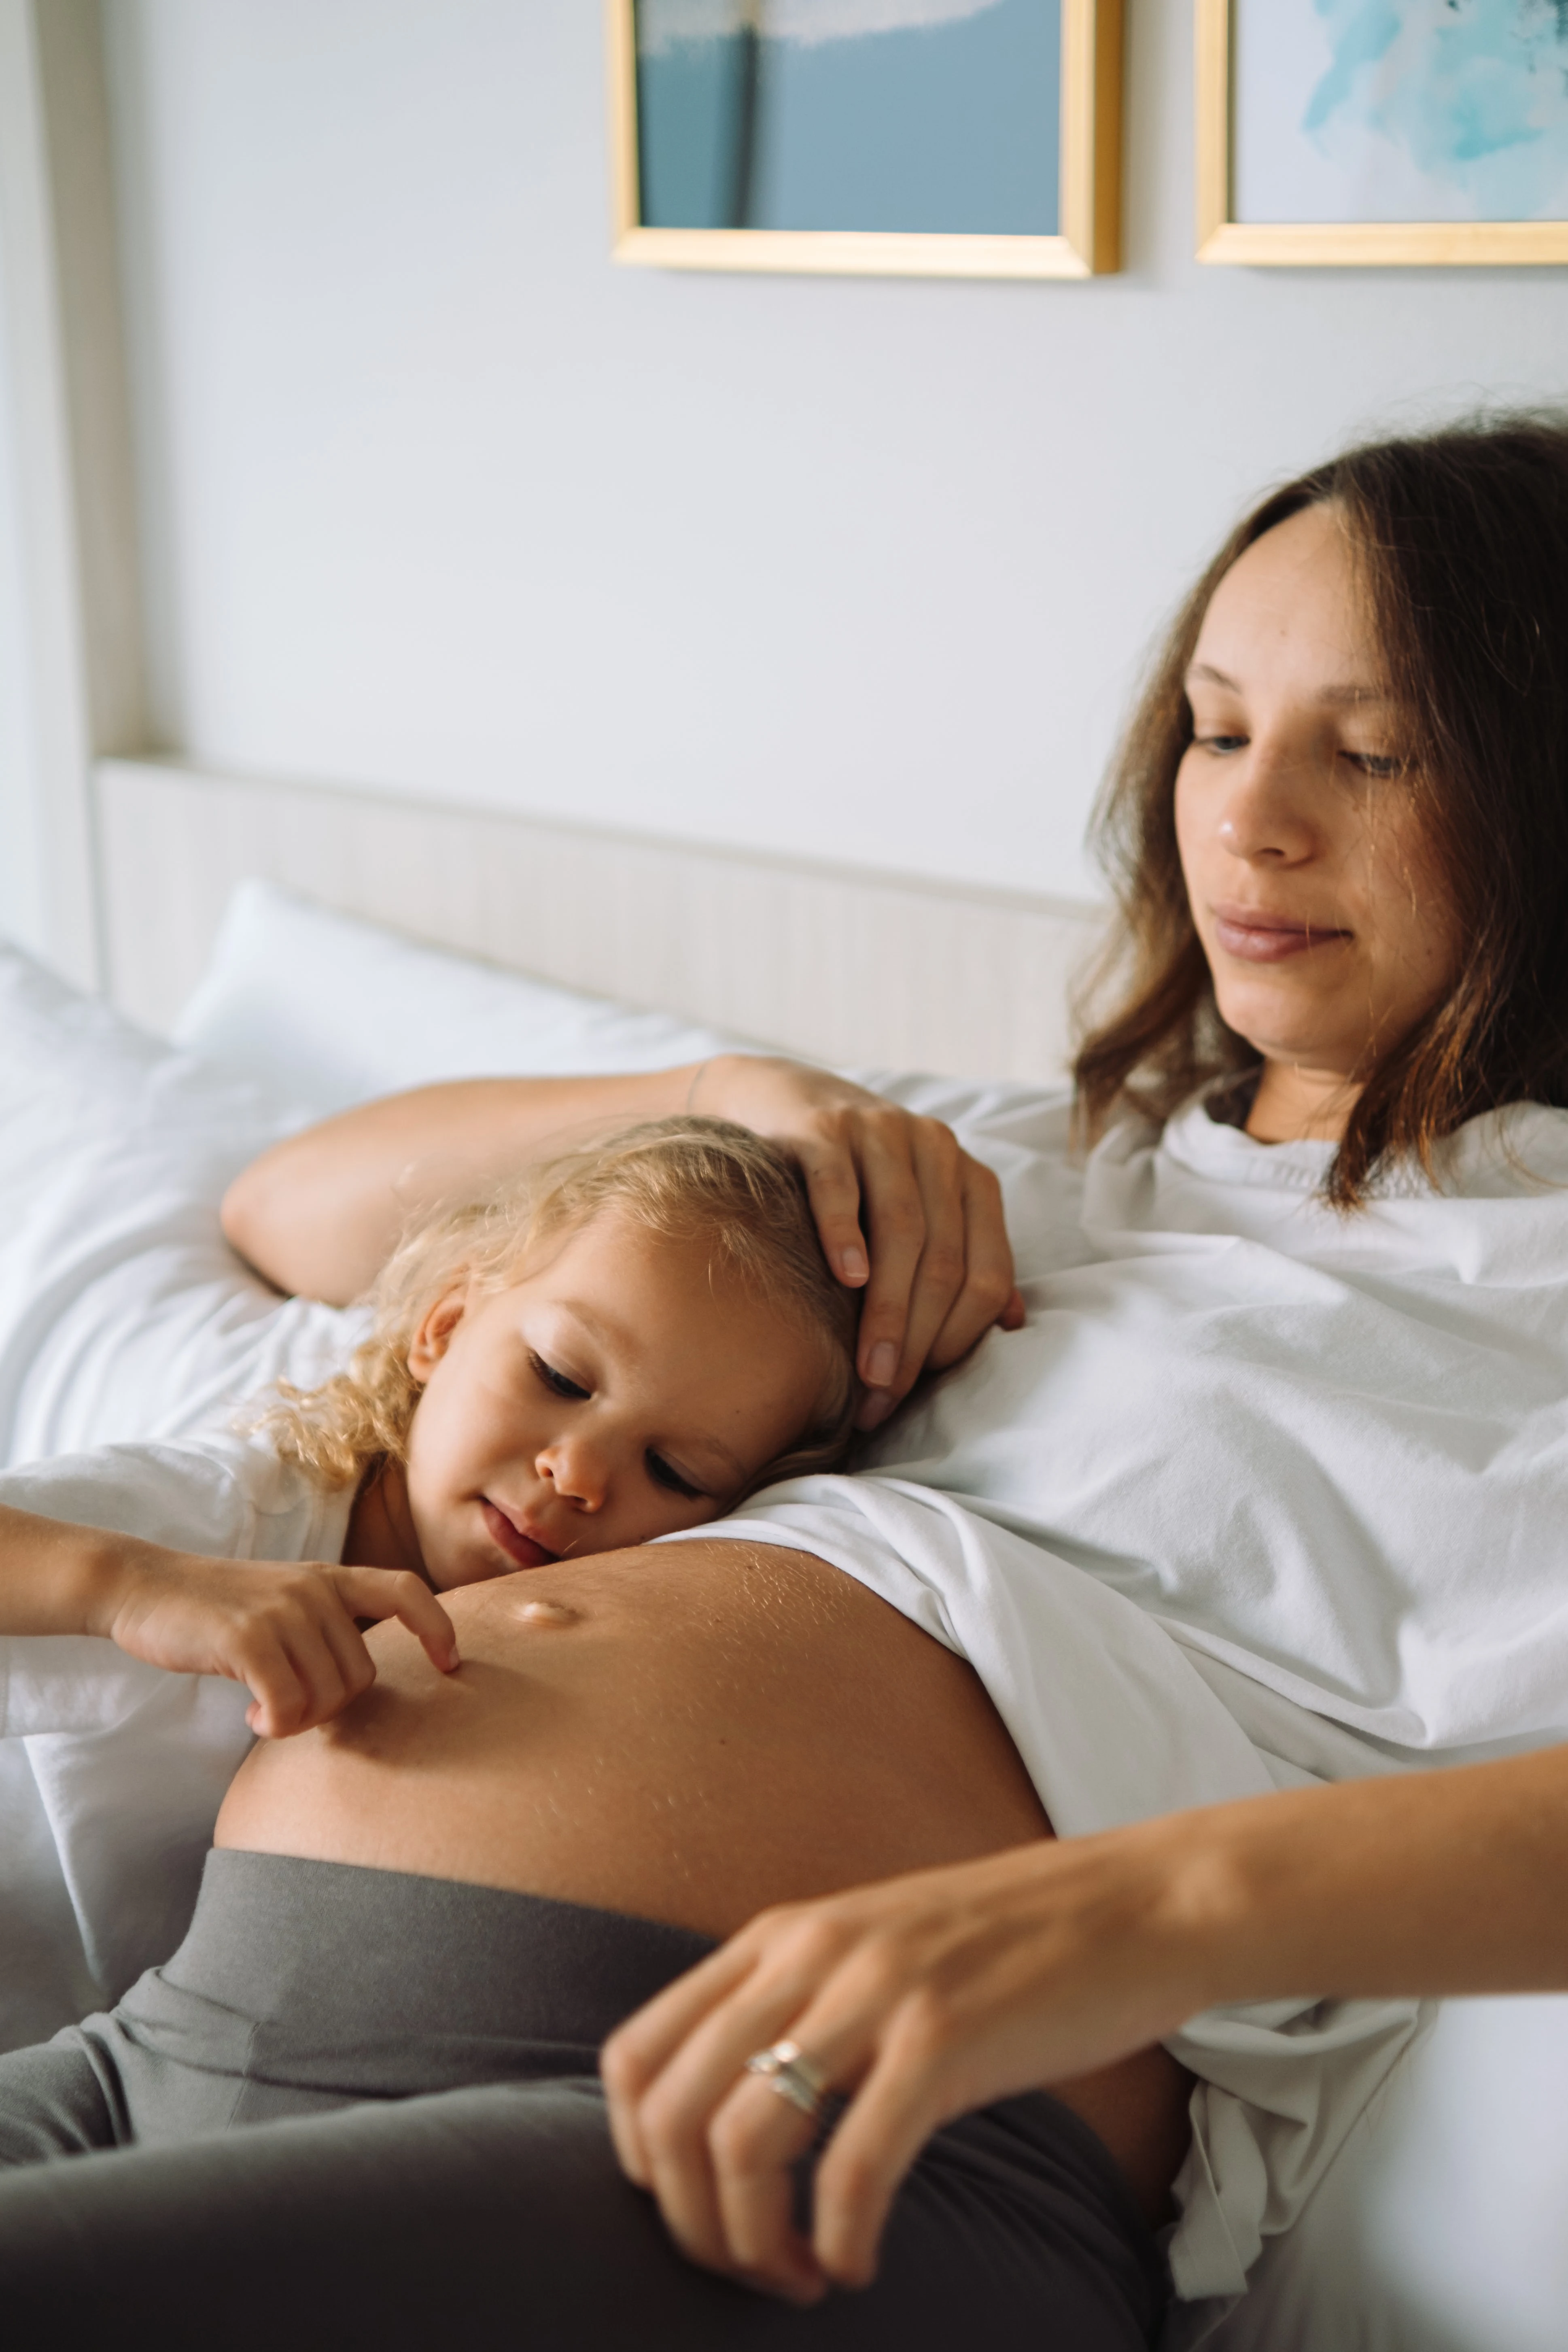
<point x="288" y="1631"/>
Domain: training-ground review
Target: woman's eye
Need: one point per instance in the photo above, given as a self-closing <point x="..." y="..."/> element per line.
<point x="556" y="1382"/>
<point x="665" y="1474"/>
<point x="1221" y="743"/>
<point x="1375" y="763"/>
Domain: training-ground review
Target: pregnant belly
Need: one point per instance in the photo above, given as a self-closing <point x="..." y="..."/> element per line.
<point x="690" y="1733"/>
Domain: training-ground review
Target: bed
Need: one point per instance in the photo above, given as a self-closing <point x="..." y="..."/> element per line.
<point x="847" y="967"/>
<point x="328" y="945"/>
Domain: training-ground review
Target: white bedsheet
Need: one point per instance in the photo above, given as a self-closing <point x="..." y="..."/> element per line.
<point x="111" y="1772"/>
<point x="1135" y="1504"/>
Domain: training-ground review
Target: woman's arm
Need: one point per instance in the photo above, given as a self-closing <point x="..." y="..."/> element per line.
<point x="288" y="1631"/>
<point x="901" y="1209"/>
<point x="928" y="1996"/>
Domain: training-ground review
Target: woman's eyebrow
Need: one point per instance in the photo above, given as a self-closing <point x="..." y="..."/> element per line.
<point x="1335" y="697"/>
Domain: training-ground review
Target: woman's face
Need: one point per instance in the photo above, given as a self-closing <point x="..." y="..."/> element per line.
<point x="1317" y="903"/>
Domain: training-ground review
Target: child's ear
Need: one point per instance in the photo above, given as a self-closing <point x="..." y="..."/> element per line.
<point x="433" y="1335"/>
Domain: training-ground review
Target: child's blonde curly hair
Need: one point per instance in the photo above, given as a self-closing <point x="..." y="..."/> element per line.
<point x="688" y="1178"/>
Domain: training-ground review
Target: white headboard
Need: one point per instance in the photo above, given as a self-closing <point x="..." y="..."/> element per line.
<point x="843" y="966"/>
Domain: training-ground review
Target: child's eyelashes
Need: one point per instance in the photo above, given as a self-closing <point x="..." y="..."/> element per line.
<point x="664" y="1474"/>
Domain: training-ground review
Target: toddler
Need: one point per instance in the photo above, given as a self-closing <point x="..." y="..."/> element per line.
<point x="624" y="1343"/>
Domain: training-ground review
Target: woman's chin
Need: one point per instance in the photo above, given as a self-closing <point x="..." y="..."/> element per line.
<point x="1282" y="1022"/>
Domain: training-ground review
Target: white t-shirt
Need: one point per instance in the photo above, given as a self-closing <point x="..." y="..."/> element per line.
<point x="1328" y="1453"/>
<point x="112" y="1772"/>
<point x="1261" y="1494"/>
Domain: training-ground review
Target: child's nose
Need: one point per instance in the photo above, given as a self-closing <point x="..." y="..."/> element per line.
<point x="576" y="1473"/>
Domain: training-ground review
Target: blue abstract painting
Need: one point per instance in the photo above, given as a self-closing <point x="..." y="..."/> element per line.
<point x="1400" y="111"/>
<point x="906" y="115"/>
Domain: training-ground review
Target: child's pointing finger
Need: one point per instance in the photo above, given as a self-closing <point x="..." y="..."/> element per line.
<point x="381" y="1592"/>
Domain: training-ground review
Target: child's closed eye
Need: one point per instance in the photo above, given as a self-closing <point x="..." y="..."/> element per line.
<point x="558" y="1383"/>
<point x="664" y="1474"/>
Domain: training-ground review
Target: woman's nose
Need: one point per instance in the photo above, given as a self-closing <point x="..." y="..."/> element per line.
<point x="576" y="1472"/>
<point x="1264" y="816"/>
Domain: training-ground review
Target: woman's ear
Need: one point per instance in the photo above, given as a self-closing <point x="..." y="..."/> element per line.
<point x="433" y="1335"/>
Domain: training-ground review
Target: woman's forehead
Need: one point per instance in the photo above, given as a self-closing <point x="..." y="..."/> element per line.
<point x="1294" y="599"/>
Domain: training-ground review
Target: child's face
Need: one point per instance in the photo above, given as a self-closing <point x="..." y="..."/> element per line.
<point x="613" y="1394"/>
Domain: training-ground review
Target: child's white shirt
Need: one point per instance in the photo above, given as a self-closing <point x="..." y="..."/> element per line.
<point x="112" y="1772"/>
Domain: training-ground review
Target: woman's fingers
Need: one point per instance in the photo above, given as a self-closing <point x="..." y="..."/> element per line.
<point x="965" y="1270"/>
<point x="941" y="1265"/>
<point x="637" y="2050"/>
<point x="899" y="1206"/>
<point x="664" y="2095"/>
<point x="883" y="2129"/>
<point x="756" y="2138"/>
<point x="716" y="2144"/>
<point x="987" y="1294"/>
<point x="833" y="1188"/>
<point x="897" y="1225"/>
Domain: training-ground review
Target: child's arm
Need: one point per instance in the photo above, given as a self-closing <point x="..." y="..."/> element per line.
<point x="285" y="1629"/>
<point x="903" y="1213"/>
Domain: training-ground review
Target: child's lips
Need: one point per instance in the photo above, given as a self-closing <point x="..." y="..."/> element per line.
<point x="515" y="1541"/>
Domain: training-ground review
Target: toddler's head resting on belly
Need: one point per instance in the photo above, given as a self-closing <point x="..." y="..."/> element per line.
<point x="626" y="1341"/>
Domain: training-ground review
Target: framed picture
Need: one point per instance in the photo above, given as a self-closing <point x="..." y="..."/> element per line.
<point x="922" y="137"/>
<point x="1383" y="131"/>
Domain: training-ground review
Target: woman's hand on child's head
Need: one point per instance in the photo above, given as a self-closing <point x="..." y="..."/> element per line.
<point x="902" y="1210"/>
<point x="287" y="1631"/>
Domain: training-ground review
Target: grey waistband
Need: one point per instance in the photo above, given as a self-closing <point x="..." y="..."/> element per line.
<point x="322" y="1973"/>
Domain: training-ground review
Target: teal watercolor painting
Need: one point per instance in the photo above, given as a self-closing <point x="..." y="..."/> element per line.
<point x="885" y="115"/>
<point x="1400" y="111"/>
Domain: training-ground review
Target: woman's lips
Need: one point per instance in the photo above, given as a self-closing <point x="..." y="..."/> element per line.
<point x="1258" y="937"/>
<point x="526" y="1549"/>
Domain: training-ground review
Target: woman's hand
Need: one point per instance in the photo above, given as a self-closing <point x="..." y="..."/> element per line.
<point x="938" y="1272"/>
<point x="920" y="1998"/>
<point x="904" y="1213"/>
<point x="287" y="1631"/>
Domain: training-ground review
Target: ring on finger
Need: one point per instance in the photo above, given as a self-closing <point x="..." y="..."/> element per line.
<point x="786" y="2068"/>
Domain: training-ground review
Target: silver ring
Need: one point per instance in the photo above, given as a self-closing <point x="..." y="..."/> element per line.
<point x="786" y="2069"/>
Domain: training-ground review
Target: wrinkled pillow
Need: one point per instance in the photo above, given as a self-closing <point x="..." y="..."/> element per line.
<point x="123" y="1312"/>
<point x="334" y="1010"/>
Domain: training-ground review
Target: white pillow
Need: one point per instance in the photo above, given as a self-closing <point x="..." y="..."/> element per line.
<point x="123" y="1312"/>
<point x="334" y="1010"/>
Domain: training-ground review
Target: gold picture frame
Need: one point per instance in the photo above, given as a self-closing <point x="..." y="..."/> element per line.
<point x="1327" y="243"/>
<point x="1089" y="204"/>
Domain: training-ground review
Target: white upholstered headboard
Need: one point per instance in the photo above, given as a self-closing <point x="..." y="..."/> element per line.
<point x="843" y="966"/>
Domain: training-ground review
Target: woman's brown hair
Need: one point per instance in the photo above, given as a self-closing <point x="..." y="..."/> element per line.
<point x="1460" y="538"/>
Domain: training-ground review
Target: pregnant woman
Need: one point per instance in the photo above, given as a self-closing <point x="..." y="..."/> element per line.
<point x="1294" y="1357"/>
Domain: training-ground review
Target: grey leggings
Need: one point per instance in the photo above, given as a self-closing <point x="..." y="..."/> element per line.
<point x="361" y="2108"/>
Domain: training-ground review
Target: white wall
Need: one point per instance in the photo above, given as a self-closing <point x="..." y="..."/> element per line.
<point x="436" y="498"/>
<point x="22" y="887"/>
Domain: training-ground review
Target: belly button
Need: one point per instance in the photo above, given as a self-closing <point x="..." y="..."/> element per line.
<point x="548" y="1612"/>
